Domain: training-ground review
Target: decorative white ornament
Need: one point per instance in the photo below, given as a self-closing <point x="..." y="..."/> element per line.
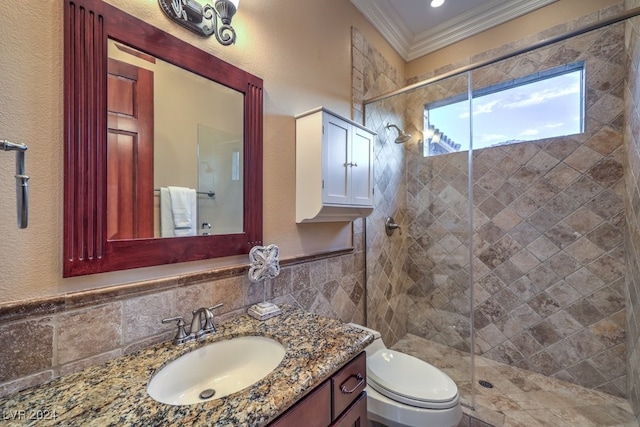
<point x="264" y="263"/>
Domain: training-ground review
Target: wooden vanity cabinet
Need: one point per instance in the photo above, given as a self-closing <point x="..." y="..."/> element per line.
<point x="340" y="401"/>
<point x="356" y="415"/>
<point x="314" y="410"/>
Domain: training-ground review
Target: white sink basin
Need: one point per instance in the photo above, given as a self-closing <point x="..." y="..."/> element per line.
<point x="223" y="367"/>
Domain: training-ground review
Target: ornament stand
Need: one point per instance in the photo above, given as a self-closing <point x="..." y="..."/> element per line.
<point x="264" y="265"/>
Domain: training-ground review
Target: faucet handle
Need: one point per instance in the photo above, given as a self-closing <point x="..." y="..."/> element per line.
<point x="209" y="326"/>
<point x="181" y="336"/>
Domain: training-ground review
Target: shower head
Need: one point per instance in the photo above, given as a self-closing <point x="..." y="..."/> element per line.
<point x="402" y="135"/>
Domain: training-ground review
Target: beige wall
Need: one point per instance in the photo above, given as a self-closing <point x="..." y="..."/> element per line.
<point x="555" y="15"/>
<point x="300" y="49"/>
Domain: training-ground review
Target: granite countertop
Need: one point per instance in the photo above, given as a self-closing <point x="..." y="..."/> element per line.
<point x="114" y="394"/>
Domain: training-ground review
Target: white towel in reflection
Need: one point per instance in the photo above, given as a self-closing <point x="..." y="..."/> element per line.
<point x="184" y="210"/>
<point x="166" y="215"/>
<point x="180" y="204"/>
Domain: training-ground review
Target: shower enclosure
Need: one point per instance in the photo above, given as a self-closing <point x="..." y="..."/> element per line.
<point x="512" y="237"/>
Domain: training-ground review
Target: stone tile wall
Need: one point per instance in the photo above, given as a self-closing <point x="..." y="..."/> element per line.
<point x="632" y="202"/>
<point x="386" y="297"/>
<point x="95" y="326"/>
<point x="548" y="258"/>
<point x="548" y="222"/>
<point x="437" y="223"/>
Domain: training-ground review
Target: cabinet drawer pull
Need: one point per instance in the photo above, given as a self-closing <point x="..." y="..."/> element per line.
<point x="343" y="387"/>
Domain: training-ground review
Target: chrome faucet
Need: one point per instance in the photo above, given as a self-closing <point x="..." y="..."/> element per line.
<point x="201" y="325"/>
<point x="202" y="322"/>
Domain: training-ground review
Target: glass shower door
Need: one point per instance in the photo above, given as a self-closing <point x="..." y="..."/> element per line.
<point x="430" y="264"/>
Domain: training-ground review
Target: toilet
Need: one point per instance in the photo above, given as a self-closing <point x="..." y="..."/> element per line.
<point x="403" y="391"/>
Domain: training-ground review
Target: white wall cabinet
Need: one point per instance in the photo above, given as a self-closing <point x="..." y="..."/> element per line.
<point x="334" y="168"/>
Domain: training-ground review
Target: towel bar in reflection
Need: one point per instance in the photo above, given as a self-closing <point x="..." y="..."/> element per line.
<point x="207" y="193"/>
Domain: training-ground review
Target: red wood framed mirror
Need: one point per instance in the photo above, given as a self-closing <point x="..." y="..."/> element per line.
<point x="90" y="244"/>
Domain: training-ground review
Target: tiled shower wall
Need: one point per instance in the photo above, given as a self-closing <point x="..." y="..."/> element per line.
<point x="438" y="230"/>
<point x="548" y="222"/>
<point x="72" y="332"/>
<point x="632" y="178"/>
<point x="385" y="255"/>
<point x="548" y="226"/>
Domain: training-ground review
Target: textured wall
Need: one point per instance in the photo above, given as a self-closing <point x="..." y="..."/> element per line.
<point x="632" y="206"/>
<point x="32" y="113"/>
<point x="374" y="75"/>
<point x="548" y="226"/>
<point x="285" y="42"/>
<point x="548" y="231"/>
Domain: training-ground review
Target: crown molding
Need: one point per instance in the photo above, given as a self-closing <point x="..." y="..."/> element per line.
<point x="411" y="46"/>
<point x="489" y="15"/>
<point x="389" y="24"/>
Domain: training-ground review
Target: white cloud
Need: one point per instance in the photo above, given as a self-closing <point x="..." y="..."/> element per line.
<point x="530" y="132"/>
<point x="554" y="125"/>
<point x="478" y="109"/>
<point x="484" y="108"/>
<point x="489" y="137"/>
<point x="536" y="98"/>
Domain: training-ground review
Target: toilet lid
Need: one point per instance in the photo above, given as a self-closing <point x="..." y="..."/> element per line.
<point x="409" y="380"/>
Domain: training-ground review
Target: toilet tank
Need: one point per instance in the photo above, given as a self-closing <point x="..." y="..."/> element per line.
<point x="377" y="343"/>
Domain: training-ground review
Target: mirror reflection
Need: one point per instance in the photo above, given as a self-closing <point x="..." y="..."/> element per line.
<point x="220" y="181"/>
<point x="174" y="150"/>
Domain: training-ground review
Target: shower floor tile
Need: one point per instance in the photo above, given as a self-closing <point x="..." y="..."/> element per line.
<point x="519" y="397"/>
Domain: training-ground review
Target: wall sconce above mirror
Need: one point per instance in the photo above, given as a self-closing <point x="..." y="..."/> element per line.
<point x="111" y="204"/>
<point x="202" y="18"/>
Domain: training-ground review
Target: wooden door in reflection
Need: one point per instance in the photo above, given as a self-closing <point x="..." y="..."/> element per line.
<point x="129" y="152"/>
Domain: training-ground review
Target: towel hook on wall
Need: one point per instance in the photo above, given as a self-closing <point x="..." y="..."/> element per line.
<point x="22" y="186"/>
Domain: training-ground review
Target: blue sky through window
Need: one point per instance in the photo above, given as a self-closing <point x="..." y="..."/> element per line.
<point x="514" y="111"/>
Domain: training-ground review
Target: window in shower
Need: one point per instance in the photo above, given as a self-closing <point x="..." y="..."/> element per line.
<point x="542" y="105"/>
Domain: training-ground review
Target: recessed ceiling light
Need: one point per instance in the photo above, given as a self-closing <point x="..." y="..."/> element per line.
<point x="437" y="3"/>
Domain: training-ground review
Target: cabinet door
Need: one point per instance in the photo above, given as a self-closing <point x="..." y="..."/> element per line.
<point x="312" y="411"/>
<point x="355" y="415"/>
<point x="336" y="140"/>
<point x="348" y="383"/>
<point x="361" y="167"/>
